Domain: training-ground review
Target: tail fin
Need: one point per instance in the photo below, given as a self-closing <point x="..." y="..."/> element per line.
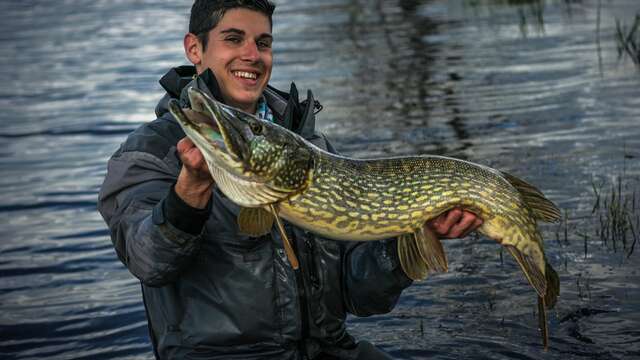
<point x="542" y="208"/>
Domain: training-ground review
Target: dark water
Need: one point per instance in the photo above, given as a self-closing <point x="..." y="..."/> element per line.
<point x="526" y="86"/>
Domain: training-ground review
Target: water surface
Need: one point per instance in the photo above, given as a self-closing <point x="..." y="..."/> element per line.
<point x="529" y="87"/>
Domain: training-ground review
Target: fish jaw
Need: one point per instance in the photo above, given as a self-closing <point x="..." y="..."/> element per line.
<point x="254" y="162"/>
<point x="232" y="124"/>
<point x="269" y="153"/>
<point x="204" y="130"/>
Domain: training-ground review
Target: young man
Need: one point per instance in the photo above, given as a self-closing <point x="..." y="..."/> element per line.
<point x="211" y="292"/>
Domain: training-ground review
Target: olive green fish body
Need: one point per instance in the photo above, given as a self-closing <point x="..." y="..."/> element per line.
<point x="350" y="199"/>
<point x="372" y="199"/>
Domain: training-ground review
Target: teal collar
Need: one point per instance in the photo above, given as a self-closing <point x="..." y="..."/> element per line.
<point x="263" y="110"/>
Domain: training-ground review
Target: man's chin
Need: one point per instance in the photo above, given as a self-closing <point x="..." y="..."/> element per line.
<point x="248" y="98"/>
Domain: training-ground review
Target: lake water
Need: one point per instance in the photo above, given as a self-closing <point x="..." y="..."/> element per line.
<point x="536" y="88"/>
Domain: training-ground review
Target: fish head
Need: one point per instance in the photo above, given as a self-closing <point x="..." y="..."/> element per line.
<point x="243" y="145"/>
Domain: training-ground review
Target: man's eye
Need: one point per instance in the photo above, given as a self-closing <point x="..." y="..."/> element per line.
<point x="233" y="40"/>
<point x="263" y="44"/>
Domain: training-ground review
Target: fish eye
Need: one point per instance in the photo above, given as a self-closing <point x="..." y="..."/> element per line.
<point x="256" y="127"/>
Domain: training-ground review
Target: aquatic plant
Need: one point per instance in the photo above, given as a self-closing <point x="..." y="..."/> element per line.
<point x="628" y="39"/>
<point x="617" y="215"/>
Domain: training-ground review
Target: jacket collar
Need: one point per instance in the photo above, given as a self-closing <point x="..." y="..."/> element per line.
<point x="287" y="110"/>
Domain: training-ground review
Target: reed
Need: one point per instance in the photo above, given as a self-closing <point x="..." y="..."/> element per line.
<point x="584" y="288"/>
<point x="628" y="39"/>
<point x="618" y="218"/>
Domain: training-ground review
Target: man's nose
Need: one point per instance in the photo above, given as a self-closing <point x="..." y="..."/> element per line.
<point x="250" y="51"/>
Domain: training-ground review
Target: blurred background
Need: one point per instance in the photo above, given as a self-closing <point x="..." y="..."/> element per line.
<point x="548" y="90"/>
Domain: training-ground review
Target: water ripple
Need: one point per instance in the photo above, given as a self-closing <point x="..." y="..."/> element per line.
<point x="519" y="85"/>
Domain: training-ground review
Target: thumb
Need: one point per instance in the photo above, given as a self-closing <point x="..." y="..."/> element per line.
<point x="184" y="145"/>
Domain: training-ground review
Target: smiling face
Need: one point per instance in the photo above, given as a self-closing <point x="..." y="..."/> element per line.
<point x="239" y="54"/>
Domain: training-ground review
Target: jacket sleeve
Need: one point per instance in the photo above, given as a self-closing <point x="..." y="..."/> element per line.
<point x="372" y="277"/>
<point x="132" y="202"/>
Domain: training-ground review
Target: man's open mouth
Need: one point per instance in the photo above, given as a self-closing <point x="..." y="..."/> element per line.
<point x="249" y="75"/>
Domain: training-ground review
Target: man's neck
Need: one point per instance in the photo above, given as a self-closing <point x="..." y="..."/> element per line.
<point x="248" y="108"/>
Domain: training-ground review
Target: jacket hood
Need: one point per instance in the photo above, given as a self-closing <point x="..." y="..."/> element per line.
<point x="173" y="82"/>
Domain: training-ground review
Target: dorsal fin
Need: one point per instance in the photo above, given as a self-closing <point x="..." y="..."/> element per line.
<point x="542" y="208"/>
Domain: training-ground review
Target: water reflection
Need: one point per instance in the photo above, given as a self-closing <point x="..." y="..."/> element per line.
<point x="392" y="79"/>
<point x="520" y="85"/>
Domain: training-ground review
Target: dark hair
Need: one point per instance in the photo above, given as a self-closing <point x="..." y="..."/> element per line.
<point x="206" y="14"/>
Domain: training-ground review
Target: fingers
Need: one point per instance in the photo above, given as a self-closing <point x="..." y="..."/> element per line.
<point x="194" y="165"/>
<point x="467" y="224"/>
<point x="455" y="223"/>
<point x="443" y="223"/>
<point x="453" y="218"/>
<point x="186" y="147"/>
<point x="184" y="144"/>
<point x="189" y="154"/>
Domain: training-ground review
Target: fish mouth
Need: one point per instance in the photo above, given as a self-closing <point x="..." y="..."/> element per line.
<point x="195" y="120"/>
<point x="218" y="130"/>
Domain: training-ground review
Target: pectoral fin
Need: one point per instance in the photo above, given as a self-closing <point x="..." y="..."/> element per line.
<point x="255" y="221"/>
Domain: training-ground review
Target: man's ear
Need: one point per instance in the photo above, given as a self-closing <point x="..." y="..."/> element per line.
<point x="193" y="49"/>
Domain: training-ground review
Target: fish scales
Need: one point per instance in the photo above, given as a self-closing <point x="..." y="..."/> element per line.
<point x="397" y="188"/>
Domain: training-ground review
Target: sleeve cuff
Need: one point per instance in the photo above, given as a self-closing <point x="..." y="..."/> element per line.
<point x="183" y="216"/>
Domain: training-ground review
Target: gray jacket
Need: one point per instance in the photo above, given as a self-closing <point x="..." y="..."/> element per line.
<point x="216" y="294"/>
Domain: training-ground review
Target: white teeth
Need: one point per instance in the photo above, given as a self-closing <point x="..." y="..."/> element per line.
<point x="246" y="75"/>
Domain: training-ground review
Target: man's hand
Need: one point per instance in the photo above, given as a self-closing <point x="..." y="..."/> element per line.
<point x="455" y="223"/>
<point x="194" y="185"/>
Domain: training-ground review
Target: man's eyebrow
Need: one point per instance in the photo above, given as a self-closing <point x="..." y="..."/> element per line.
<point x="242" y="32"/>
<point x="232" y="31"/>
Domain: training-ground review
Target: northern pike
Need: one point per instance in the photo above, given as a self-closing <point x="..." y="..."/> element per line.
<point x="262" y="166"/>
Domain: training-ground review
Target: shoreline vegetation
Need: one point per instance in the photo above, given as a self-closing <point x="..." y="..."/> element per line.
<point x="628" y="40"/>
<point x="614" y="215"/>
